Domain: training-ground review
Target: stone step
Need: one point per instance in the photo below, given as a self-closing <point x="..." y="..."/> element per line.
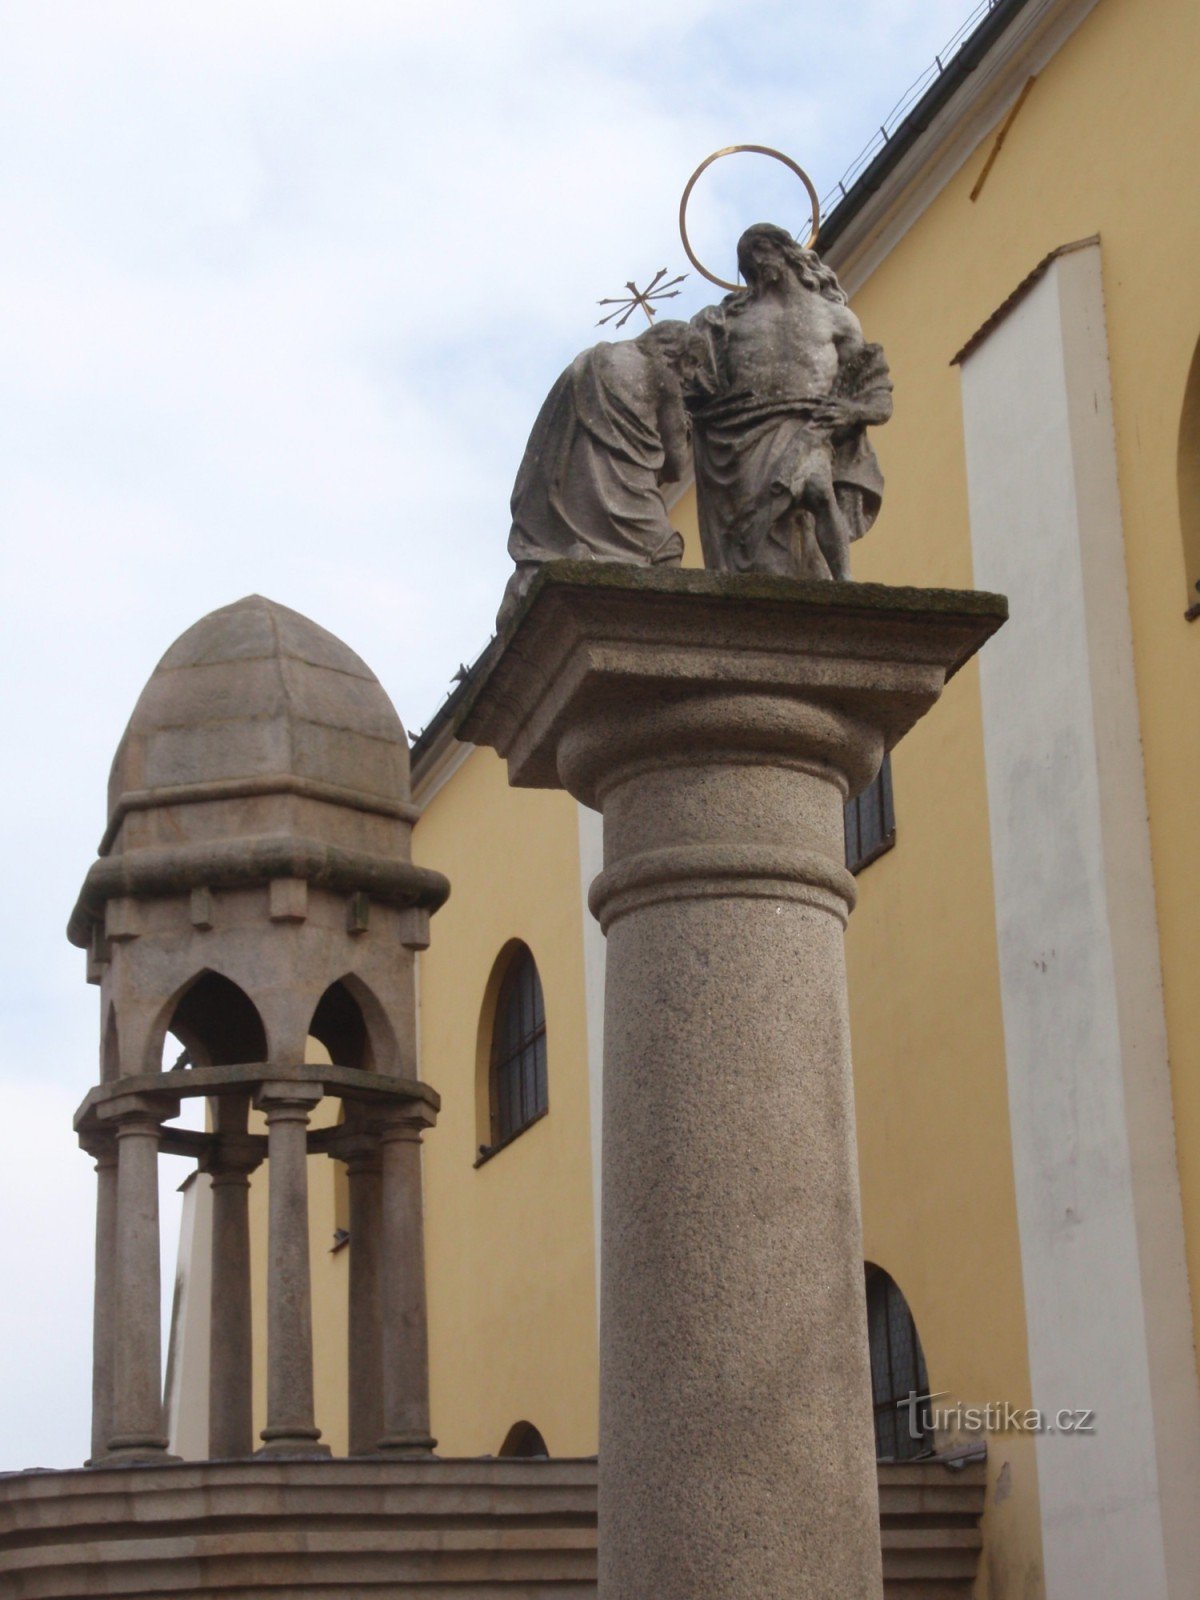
<point x="437" y="1530"/>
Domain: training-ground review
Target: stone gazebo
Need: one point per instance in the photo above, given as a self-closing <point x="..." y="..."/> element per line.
<point x="255" y="889"/>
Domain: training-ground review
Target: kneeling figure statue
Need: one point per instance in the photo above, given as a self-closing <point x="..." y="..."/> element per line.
<point x="611" y="432"/>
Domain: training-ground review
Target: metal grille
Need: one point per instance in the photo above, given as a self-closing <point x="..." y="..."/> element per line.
<point x="897" y="1372"/>
<point x="519" y="1090"/>
<point x="905" y="105"/>
<point x="871" y="820"/>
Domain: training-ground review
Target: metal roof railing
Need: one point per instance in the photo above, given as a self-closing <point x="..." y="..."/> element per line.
<point x="905" y="104"/>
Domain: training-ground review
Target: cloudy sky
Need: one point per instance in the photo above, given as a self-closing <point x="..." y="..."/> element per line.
<point x="284" y="283"/>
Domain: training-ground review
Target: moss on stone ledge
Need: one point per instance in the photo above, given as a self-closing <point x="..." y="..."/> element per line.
<point x="759" y="586"/>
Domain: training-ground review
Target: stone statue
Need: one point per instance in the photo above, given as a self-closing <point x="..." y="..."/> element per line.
<point x="612" y="430"/>
<point x="785" y="476"/>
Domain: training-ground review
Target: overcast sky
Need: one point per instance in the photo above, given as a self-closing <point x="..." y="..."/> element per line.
<point x="283" y="287"/>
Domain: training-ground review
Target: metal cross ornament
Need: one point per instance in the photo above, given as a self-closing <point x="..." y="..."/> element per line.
<point x="628" y="304"/>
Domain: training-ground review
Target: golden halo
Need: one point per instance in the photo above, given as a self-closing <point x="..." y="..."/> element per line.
<point x="731" y="150"/>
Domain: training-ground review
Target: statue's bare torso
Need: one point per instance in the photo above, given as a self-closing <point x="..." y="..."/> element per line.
<point x="787" y="344"/>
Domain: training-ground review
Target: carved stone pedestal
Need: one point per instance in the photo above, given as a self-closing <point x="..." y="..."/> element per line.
<point x="720" y="724"/>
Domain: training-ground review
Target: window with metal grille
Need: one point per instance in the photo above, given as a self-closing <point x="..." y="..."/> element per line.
<point x="897" y="1372"/>
<point x="518" y="1067"/>
<point x="871" y="820"/>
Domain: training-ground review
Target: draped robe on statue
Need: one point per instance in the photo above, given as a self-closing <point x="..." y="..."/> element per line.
<point x="588" y="486"/>
<point x="776" y="490"/>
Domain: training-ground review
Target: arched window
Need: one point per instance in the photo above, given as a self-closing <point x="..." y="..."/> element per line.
<point x="1189" y="486"/>
<point x="517" y="1090"/>
<point x="524" y="1442"/>
<point x="870" y="820"/>
<point x="897" y="1372"/>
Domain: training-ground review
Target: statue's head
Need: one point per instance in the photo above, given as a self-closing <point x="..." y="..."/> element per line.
<point x="677" y="344"/>
<point x="767" y="254"/>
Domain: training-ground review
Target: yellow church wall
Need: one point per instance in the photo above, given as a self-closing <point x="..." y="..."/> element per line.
<point x="1126" y="68"/>
<point x="509" y="1244"/>
<point x="938" y="1199"/>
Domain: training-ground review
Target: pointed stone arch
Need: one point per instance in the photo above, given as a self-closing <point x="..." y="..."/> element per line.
<point x="110" y="1048"/>
<point x="354" y="1027"/>
<point x="214" y="1019"/>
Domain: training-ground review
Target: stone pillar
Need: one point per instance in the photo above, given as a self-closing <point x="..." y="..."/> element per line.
<point x="230" y="1403"/>
<point x="136" y="1427"/>
<point x="405" y="1343"/>
<point x="103" y="1309"/>
<point x="719" y="724"/>
<point x="360" y="1152"/>
<point x="290" y="1428"/>
<point x="734" y="1329"/>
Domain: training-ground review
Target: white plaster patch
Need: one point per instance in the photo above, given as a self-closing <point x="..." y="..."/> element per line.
<point x="1109" y="1323"/>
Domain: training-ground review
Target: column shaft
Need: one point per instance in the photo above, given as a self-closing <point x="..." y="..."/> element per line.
<point x="230" y="1406"/>
<point x="404" y="1332"/>
<point x="290" y="1428"/>
<point x="137" y="1430"/>
<point x="736" y="1452"/>
<point x="365" y="1374"/>
<point x="103" y="1312"/>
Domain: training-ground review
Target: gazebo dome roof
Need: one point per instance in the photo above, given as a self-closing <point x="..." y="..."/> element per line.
<point x="249" y="698"/>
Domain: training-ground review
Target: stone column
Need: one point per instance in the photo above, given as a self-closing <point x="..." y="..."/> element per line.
<point x="103" y="1309"/>
<point x="290" y="1429"/>
<point x="136" y="1429"/>
<point x="360" y="1152"/>
<point x="405" y="1345"/>
<point x="719" y="724"/>
<point x="230" y="1403"/>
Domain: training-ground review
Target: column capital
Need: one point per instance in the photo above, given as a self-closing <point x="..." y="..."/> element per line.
<point x="137" y="1112"/>
<point x="101" y="1145"/>
<point x="357" y="1147"/>
<point x="232" y="1157"/>
<point x="608" y="668"/>
<point x="283" y="1099"/>
<point x="409" y="1122"/>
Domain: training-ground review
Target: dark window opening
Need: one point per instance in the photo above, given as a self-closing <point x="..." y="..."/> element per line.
<point x="902" y="1429"/>
<point x="524" y="1442"/>
<point x="217" y="1025"/>
<point x="871" y="820"/>
<point x="111" y="1056"/>
<point x="338" y="1023"/>
<point x="517" y="1082"/>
